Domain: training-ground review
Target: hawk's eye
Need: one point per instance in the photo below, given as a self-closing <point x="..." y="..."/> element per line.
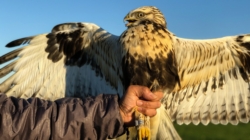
<point x="139" y="15"/>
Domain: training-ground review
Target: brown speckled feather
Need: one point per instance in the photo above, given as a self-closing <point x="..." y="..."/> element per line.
<point x="79" y="59"/>
<point x="148" y="53"/>
<point x="214" y="81"/>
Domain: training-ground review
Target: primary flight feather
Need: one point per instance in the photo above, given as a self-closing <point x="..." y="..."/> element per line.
<point x="203" y="80"/>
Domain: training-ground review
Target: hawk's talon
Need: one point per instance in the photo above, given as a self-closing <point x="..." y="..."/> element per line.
<point x="143" y="133"/>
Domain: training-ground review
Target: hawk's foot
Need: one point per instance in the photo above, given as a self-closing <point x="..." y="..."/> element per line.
<point x="143" y="126"/>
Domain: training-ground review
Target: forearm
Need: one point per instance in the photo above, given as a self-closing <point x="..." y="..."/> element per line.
<point x="67" y="118"/>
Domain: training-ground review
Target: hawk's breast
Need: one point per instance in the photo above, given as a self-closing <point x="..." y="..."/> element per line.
<point x="148" y="58"/>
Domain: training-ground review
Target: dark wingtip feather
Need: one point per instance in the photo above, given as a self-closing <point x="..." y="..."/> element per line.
<point x="20" y="41"/>
<point x="7" y="69"/>
<point x="9" y="56"/>
<point x="66" y="26"/>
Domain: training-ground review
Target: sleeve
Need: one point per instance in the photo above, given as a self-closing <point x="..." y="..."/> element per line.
<point x="67" y="118"/>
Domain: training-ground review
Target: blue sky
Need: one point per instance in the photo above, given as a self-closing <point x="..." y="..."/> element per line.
<point x="189" y="19"/>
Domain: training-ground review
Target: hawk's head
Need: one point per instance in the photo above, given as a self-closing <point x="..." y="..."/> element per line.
<point x="150" y="13"/>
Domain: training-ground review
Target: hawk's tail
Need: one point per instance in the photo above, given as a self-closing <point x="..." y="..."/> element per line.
<point x="166" y="129"/>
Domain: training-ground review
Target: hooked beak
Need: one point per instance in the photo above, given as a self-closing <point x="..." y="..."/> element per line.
<point x="130" y="20"/>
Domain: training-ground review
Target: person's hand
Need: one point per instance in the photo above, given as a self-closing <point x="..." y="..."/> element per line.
<point x="143" y="99"/>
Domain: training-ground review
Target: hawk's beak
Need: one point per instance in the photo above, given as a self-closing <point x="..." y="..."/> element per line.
<point x="129" y="19"/>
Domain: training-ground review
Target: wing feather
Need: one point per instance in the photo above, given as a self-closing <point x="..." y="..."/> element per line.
<point x="75" y="59"/>
<point x="214" y="81"/>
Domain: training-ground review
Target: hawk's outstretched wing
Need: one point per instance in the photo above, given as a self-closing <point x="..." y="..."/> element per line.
<point x="214" y="81"/>
<point x="75" y="58"/>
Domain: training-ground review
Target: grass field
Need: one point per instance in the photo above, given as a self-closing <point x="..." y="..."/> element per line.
<point x="214" y="132"/>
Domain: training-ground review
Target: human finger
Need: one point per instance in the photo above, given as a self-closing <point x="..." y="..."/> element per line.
<point x="146" y="94"/>
<point x="147" y="112"/>
<point x="159" y="95"/>
<point x="148" y="104"/>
